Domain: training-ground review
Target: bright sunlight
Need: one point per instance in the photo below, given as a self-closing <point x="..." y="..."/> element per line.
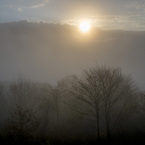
<point x="84" y="27"/>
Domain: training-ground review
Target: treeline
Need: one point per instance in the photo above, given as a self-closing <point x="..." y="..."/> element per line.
<point x="102" y="105"/>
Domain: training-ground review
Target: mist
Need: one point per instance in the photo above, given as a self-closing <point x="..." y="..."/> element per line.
<point x="61" y="86"/>
<point x="49" y="52"/>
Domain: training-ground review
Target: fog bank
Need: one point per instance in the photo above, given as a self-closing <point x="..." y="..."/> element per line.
<point x="49" y="52"/>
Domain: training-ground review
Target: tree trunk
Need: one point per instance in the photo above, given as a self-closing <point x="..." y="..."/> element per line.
<point x="98" y="129"/>
<point x="108" y="134"/>
<point x="98" y="123"/>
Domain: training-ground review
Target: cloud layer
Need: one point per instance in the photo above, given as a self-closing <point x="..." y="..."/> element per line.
<point x="120" y="14"/>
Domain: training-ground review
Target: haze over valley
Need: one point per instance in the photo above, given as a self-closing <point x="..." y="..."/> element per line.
<point x="49" y="52"/>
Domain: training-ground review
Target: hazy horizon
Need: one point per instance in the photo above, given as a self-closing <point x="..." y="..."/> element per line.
<point x="48" y="52"/>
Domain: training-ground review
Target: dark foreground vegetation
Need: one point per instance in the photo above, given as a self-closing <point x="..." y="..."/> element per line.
<point x="103" y="106"/>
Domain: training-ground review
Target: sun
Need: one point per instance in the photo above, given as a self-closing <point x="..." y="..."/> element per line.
<point x="84" y="27"/>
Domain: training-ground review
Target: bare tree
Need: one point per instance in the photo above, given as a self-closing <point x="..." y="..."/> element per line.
<point x="45" y="107"/>
<point x="57" y="93"/>
<point x="1" y="93"/>
<point x="103" y="93"/>
<point x="50" y="106"/>
<point x="117" y="92"/>
<point x="22" y="91"/>
<point x="23" y="117"/>
<point x="22" y="123"/>
<point x="88" y="100"/>
<point x="2" y="101"/>
<point x="54" y="103"/>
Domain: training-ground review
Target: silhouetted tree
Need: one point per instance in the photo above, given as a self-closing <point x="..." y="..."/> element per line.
<point x="45" y="108"/>
<point x="22" y="123"/>
<point x="1" y="93"/>
<point x="51" y="97"/>
<point x="23" y="117"/>
<point x="22" y="91"/>
<point x="57" y="93"/>
<point x="102" y="93"/>
<point x="117" y="92"/>
<point x="2" y="100"/>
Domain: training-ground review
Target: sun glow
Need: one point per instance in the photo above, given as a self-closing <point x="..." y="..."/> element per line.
<point x="84" y="26"/>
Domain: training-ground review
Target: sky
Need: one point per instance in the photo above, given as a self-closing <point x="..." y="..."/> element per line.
<point x="105" y="14"/>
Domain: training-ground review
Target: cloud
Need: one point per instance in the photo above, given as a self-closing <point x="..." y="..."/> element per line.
<point x="8" y="6"/>
<point x="20" y="10"/>
<point x="136" y="5"/>
<point x="121" y="14"/>
<point x="38" y="6"/>
<point x="124" y="22"/>
<point x="46" y="1"/>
